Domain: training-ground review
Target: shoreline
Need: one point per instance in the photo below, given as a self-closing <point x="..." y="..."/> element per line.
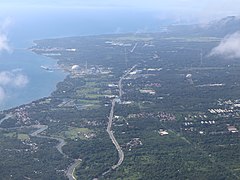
<point x="60" y="72"/>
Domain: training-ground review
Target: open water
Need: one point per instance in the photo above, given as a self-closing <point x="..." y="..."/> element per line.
<point x="22" y="79"/>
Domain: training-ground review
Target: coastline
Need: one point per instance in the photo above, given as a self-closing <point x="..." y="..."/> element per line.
<point x="41" y="83"/>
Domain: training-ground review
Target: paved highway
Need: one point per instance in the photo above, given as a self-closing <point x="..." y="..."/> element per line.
<point x="121" y="79"/>
<point x="5" y="118"/>
<point x="42" y="128"/>
<point x="111" y="116"/>
<point x="111" y="135"/>
<point x="71" y="169"/>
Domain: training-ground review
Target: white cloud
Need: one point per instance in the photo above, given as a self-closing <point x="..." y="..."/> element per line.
<point x="7" y="22"/>
<point x="5" y="78"/>
<point x="13" y="78"/>
<point x="21" y="80"/>
<point x="2" y="94"/>
<point x="229" y="47"/>
<point x="4" y="42"/>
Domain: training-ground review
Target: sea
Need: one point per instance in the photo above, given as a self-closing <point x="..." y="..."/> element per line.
<point x="22" y="80"/>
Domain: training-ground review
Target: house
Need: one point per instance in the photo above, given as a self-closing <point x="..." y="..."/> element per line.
<point x="162" y="132"/>
<point x="232" y="129"/>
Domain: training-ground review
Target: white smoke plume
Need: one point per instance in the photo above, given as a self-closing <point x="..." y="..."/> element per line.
<point x="229" y="47"/>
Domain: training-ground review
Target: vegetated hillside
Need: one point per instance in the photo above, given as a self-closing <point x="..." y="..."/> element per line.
<point x="218" y="28"/>
<point x="177" y="118"/>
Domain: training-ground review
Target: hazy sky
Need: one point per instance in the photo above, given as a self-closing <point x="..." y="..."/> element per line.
<point x="198" y="8"/>
<point x="222" y="4"/>
<point x="39" y="13"/>
<point x="198" y="5"/>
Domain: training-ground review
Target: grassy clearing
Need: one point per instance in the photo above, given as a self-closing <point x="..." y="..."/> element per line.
<point x="23" y="137"/>
<point x="133" y="38"/>
<point x="88" y="104"/>
<point x="91" y="84"/>
<point x="94" y="96"/>
<point x="20" y="136"/>
<point x="87" y="90"/>
<point x="75" y="133"/>
<point x="194" y="39"/>
<point x="10" y="134"/>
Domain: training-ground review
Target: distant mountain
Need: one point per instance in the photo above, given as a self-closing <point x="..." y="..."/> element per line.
<point x="223" y="27"/>
<point x="218" y="28"/>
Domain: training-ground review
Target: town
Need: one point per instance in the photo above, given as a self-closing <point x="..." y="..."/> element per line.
<point x="129" y="102"/>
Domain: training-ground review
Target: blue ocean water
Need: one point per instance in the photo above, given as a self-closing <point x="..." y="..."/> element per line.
<point x="31" y="24"/>
<point x="35" y="82"/>
<point x="50" y="23"/>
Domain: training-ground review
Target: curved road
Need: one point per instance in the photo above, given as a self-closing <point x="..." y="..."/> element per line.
<point x="62" y="142"/>
<point x="111" y="135"/>
<point x="42" y="128"/>
<point x="5" y="118"/>
<point x="109" y="127"/>
<point x="71" y="169"/>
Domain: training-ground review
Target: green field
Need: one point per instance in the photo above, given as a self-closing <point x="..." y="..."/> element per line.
<point x="20" y="136"/>
<point x="77" y="133"/>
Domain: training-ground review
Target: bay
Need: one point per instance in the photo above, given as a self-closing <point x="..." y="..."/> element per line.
<point x="22" y="78"/>
<point x="28" y="25"/>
